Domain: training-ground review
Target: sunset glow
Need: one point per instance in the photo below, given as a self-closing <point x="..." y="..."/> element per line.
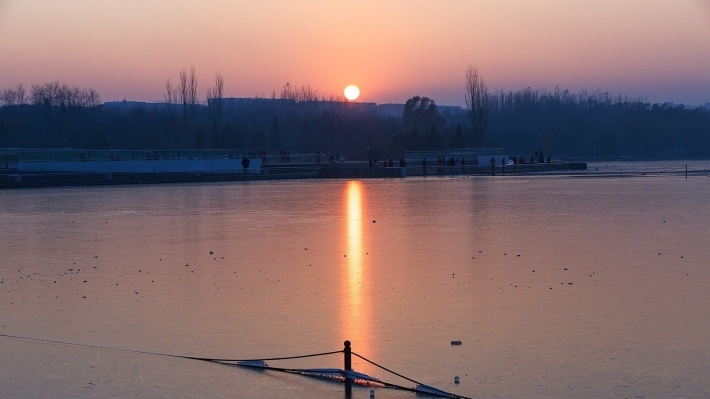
<point x="351" y="92"/>
<point x="355" y="308"/>
<point x="127" y="49"/>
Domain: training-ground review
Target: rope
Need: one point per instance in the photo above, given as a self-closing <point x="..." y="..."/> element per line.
<point x="249" y="360"/>
<point x="231" y="362"/>
<point x="386" y="369"/>
<point x="206" y="359"/>
<point x="444" y="393"/>
<point x="318" y="374"/>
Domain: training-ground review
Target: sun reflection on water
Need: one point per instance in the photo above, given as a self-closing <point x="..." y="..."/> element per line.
<point x="355" y="307"/>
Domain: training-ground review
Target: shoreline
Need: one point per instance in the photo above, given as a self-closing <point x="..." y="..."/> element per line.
<point x="345" y="170"/>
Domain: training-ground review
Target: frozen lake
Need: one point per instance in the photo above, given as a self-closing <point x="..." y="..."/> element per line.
<point x="557" y="286"/>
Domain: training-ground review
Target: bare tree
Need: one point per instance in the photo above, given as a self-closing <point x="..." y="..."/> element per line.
<point x="171" y="98"/>
<point x="219" y="85"/>
<point x="287" y="92"/>
<point x="16" y="96"/>
<point x="20" y="94"/>
<point x="214" y="97"/>
<point x="8" y="97"/>
<point x="477" y="103"/>
<point x="56" y="94"/>
<point x="47" y="94"/>
<point x="93" y="98"/>
<point x="183" y="90"/>
<point x="192" y="91"/>
<point x="304" y="93"/>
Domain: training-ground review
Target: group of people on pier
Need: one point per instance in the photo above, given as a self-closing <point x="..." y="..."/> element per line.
<point x="444" y="166"/>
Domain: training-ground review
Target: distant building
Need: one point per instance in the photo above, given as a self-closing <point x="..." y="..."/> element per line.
<point x="396" y="110"/>
<point x="130" y="106"/>
<point x="336" y="106"/>
<point x="243" y="102"/>
<point x="450" y="110"/>
<point x="232" y="103"/>
<point x="313" y="106"/>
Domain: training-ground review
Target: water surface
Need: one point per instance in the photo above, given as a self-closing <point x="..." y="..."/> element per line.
<point x="557" y="286"/>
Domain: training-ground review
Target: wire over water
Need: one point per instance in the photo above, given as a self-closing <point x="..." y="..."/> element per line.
<point x="386" y="369"/>
<point x="317" y="373"/>
<point x="206" y="359"/>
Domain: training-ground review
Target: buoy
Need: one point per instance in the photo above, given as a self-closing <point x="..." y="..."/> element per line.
<point x="455" y="342"/>
<point x="456" y="380"/>
<point x="372" y="393"/>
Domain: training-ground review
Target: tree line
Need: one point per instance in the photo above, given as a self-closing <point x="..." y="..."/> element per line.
<point x="562" y="123"/>
<point x="597" y="124"/>
<point x="50" y="94"/>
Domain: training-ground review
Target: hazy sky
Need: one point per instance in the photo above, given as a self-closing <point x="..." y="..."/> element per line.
<point x="656" y="49"/>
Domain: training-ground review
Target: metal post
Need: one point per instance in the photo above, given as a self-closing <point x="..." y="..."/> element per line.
<point x="347" y="356"/>
<point x="348" y="366"/>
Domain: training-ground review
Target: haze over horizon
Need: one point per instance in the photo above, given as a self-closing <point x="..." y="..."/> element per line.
<point x="656" y="50"/>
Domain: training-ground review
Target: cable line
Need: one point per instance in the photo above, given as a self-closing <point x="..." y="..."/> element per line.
<point x="206" y="359"/>
<point x="259" y="363"/>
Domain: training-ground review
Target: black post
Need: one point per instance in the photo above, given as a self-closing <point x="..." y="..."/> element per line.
<point x="347" y="366"/>
<point x="686" y="172"/>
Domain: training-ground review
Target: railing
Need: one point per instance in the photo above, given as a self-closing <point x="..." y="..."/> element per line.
<point x="23" y="156"/>
<point x="285" y="159"/>
<point x="62" y="155"/>
<point x="458" y="153"/>
<point x="8" y="161"/>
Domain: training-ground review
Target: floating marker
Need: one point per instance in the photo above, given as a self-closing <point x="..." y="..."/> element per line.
<point x="456" y="380"/>
<point x="455" y="342"/>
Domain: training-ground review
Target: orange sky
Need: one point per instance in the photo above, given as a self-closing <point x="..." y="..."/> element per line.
<point x="656" y="49"/>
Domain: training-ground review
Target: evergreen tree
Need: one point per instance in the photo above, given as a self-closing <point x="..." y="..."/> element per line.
<point x="458" y="140"/>
<point x="415" y="140"/>
<point x="433" y="141"/>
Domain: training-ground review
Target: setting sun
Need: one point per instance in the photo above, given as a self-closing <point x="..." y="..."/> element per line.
<point x="351" y="92"/>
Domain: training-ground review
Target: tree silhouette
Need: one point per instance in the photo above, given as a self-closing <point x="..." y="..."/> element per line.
<point x="432" y="140"/>
<point x="458" y="140"/>
<point x="214" y="98"/>
<point x="420" y="113"/>
<point x="171" y="98"/>
<point x="477" y="103"/>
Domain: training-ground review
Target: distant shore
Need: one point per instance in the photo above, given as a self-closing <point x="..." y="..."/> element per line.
<point x="340" y="170"/>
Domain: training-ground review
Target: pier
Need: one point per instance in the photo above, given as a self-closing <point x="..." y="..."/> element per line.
<point x="55" y="168"/>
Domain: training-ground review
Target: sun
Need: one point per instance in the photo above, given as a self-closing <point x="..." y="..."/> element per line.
<point x="351" y="93"/>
